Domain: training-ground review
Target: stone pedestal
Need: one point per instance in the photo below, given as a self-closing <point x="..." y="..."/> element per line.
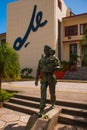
<point x="36" y="123"/>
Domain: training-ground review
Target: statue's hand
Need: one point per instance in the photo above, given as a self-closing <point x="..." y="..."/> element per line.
<point x="36" y="83"/>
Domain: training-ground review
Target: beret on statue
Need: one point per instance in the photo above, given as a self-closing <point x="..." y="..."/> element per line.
<point x="47" y="47"/>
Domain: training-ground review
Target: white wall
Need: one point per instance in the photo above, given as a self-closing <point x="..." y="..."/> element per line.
<point x="18" y="19"/>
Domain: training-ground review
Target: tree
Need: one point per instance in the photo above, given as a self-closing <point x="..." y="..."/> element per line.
<point x="84" y="42"/>
<point x="9" y="64"/>
<point x="84" y="38"/>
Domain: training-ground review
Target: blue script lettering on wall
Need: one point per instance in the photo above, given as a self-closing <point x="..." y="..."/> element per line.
<point x="19" y="42"/>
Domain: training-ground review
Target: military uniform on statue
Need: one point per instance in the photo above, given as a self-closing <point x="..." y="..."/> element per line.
<point x="47" y="65"/>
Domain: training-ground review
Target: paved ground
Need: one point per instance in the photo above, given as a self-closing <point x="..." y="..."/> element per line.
<point x="12" y="120"/>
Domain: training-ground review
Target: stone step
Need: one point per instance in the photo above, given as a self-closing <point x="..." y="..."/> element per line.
<point x="24" y="102"/>
<point x="76" y="116"/>
<point x="72" y="120"/>
<point x="73" y="117"/>
<point x="71" y="104"/>
<point x="60" y="126"/>
<point x="26" y="97"/>
<point x="60" y="102"/>
<point x="74" y="111"/>
<point x="21" y="108"/>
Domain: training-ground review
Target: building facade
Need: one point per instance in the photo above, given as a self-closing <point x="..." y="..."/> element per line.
<point x="31" y="24"/>
<point x="73" y="31"/>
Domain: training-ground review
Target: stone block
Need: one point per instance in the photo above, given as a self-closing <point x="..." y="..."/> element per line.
<point x="36" y="123"/>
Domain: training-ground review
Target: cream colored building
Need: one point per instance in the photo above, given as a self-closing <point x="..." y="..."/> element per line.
<point x="73" y="28"/>
<point x="31" y="24"/>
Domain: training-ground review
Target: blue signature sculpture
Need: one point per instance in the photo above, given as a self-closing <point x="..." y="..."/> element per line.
<point x="19" y="42"/>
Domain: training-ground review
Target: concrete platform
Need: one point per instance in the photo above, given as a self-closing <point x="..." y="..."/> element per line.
<point x="66" y="90"/>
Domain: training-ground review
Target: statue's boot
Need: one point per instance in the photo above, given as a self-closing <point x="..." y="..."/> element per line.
<point x="40" y="113"/>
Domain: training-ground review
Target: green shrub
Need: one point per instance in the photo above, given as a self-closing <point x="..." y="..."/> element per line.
<point x="4" y="95"/>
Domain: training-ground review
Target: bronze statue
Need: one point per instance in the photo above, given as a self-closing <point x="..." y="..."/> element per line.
<point x="47" y="65"/>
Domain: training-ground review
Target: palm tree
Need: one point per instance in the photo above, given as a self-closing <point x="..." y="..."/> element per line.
<point x="9" y="64"/>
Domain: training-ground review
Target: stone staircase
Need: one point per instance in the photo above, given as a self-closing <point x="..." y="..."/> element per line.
<point x="23" y="103"/>
<point x="75" y="118"/>
<point x="73" y="114"/>
<point x="80" y="74"/>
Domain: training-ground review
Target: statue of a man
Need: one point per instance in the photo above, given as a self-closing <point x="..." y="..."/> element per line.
<point x="47" y="65"/>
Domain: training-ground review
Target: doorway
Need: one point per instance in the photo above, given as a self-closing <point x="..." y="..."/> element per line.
<point x="73" y="49"/>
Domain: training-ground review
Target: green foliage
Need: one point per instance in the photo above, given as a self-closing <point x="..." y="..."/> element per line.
<point x="63" y="66"/>
<point x="9" y="64"/>
<point x="85" y="34"/>
<point x="25" y="72"/>
<point x="74" y="58"/>
<point x="85" y="60"/>
<point x="62" y="69"/>
<point x="4" y="95"/>
<point x="84" y="38"/>
<point x="84" y="42"/>
<point x="71" y="64"/>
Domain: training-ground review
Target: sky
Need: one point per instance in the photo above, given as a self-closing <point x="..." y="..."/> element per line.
<point x="77" y="7"/>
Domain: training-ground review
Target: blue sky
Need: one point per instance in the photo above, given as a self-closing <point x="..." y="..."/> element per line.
<point x="77" y="7"/>
<point x="3" y="12"/>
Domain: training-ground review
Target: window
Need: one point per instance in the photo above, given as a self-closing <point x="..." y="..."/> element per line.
<point x="82" y="28"/>
<point x="71" y="30"/>
<point x="59" y="4"/>
<point x="73" y="49"/>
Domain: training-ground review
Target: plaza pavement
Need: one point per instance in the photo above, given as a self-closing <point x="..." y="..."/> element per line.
<point x="70" y="90"/>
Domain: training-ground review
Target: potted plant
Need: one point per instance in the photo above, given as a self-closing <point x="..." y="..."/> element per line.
<point x="60" y="72"/>
<point x="65" y="65"/>
<point x="73" y="62"/>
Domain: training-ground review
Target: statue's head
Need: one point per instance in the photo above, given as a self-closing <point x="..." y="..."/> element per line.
<point x="47" y="50"/>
